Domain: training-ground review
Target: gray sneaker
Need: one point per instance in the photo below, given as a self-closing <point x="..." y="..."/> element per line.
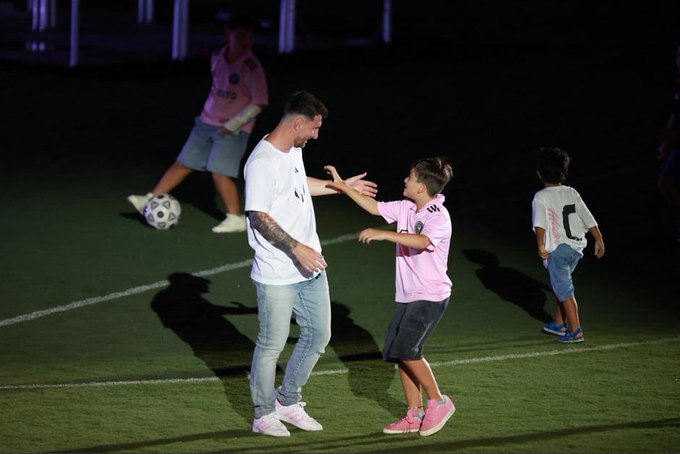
<point x="139" y="201"/>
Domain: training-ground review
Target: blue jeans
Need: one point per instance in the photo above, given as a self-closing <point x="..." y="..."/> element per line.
<point x="311" y="303"/>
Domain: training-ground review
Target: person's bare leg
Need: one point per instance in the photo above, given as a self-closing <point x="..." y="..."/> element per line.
<point x="172" y="177"/>
<point x="570" y="309"/>
<point x="412" y="390"/>
<point x="559" y="314"/>
<point x="227" y="190"/>
<point x="420" y="372"/>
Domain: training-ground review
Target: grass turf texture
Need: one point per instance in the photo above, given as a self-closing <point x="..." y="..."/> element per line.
<point x="125" y="374"/>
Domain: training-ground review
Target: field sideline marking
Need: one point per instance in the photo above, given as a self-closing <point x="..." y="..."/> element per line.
<point x="457" y="362"/>
<point x="143" y="288"/>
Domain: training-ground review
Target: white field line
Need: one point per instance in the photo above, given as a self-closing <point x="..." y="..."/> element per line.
<point x="458" y="362"/>
<point x="143" y="288"/>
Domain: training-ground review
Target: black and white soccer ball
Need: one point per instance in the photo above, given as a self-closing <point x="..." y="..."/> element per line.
<point x="162" y="211"/>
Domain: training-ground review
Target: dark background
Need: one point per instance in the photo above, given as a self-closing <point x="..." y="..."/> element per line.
<point x="485" y="83"/>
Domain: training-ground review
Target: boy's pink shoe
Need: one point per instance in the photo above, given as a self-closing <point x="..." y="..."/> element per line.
<point x="436" y="415"/>
<point x="409" y="423"/>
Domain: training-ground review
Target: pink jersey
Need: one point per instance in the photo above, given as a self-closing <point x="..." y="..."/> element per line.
<point x="234" y="86"/>
<point x="421" y="275"/>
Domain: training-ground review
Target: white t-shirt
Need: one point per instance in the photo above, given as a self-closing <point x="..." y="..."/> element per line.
<point x="276" y="184"/>
<point x="561" y="212"/>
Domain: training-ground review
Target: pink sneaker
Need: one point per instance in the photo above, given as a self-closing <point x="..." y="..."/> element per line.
<point x="409" y="423"/>
<point x="436" y="415"/>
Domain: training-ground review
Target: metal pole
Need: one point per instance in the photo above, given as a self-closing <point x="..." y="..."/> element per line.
<point x="144" y="11"/>
<point x="140" y="11"/>
<point x="387" y="22"/>
<point x="180" y="29"/>
<point x="290" y="29"/>
<point x="52" y="14"/>
<point x="149" y="11"/>
<point x="286" y="26"/>
<point x="75" y="25"/>
<point x="282" y="26"/>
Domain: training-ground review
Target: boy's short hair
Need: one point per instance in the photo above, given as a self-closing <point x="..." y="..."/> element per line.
<point x="434" y="173"/>
<point x="304" y="103"/>
<point x="552" y="164"/>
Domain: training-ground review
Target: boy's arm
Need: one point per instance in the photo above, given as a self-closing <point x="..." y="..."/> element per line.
<point x="599" y="242"/>
<point x="540" y="242"/>
<point x="366" y="202"/>
<point x="411" y="240"/>
<point x="357" y="182"/>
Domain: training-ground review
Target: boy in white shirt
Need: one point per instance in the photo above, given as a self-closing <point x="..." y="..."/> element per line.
<point x="560" y="221"/>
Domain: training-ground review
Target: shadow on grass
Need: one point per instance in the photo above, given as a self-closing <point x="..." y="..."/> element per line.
<point x="369" y="377"/>
<point x="214" y="340"/>
<point x="375" y="442"/>
<point x="517" y="440"/>
<point x="511" y="285"/>
<point x="163" y="441"/>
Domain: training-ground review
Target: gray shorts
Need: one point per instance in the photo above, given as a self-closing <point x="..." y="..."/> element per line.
<point x="411" y="325"/>
<point x="205" y="149"/>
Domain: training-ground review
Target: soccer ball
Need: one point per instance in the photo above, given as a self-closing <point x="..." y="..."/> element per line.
<point x="162" y="211"/>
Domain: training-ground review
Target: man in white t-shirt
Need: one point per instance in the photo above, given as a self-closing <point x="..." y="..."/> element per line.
<point x="288" y="268"/>
<point x="561" y="220"/>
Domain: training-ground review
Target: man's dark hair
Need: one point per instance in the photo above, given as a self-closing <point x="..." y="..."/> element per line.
<point x="434" y="173"/>
<point x="552" y="164"/>
<point x="304" y="103"/>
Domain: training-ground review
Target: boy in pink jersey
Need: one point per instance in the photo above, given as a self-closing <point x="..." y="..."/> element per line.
<point x="220" y="134"/>
<point x="423" y="289"/>
<point x="561" y="220"/>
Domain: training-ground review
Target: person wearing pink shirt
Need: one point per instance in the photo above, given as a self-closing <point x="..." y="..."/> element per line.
<point x="220" y="134"/>
<point x="423" y="289"/>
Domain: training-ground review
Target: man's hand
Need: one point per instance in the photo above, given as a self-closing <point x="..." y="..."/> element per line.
<point x="308" y="258"/>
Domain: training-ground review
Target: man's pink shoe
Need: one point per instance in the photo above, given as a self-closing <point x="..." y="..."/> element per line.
<point x="436" y="415"/>
<point x="409" y="423"/>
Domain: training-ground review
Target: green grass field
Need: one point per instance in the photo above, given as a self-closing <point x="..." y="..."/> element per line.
<point x="99" y="353"/>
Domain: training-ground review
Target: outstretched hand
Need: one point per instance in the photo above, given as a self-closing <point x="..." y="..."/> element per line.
<point x="364" y="187"/>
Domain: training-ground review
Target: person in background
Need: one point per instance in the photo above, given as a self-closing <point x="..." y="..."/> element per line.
<point x="220" y="134"/>
<point x="668" y="155"/>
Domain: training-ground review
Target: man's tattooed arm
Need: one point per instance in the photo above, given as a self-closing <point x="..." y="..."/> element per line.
<point x="271" y="231"/>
